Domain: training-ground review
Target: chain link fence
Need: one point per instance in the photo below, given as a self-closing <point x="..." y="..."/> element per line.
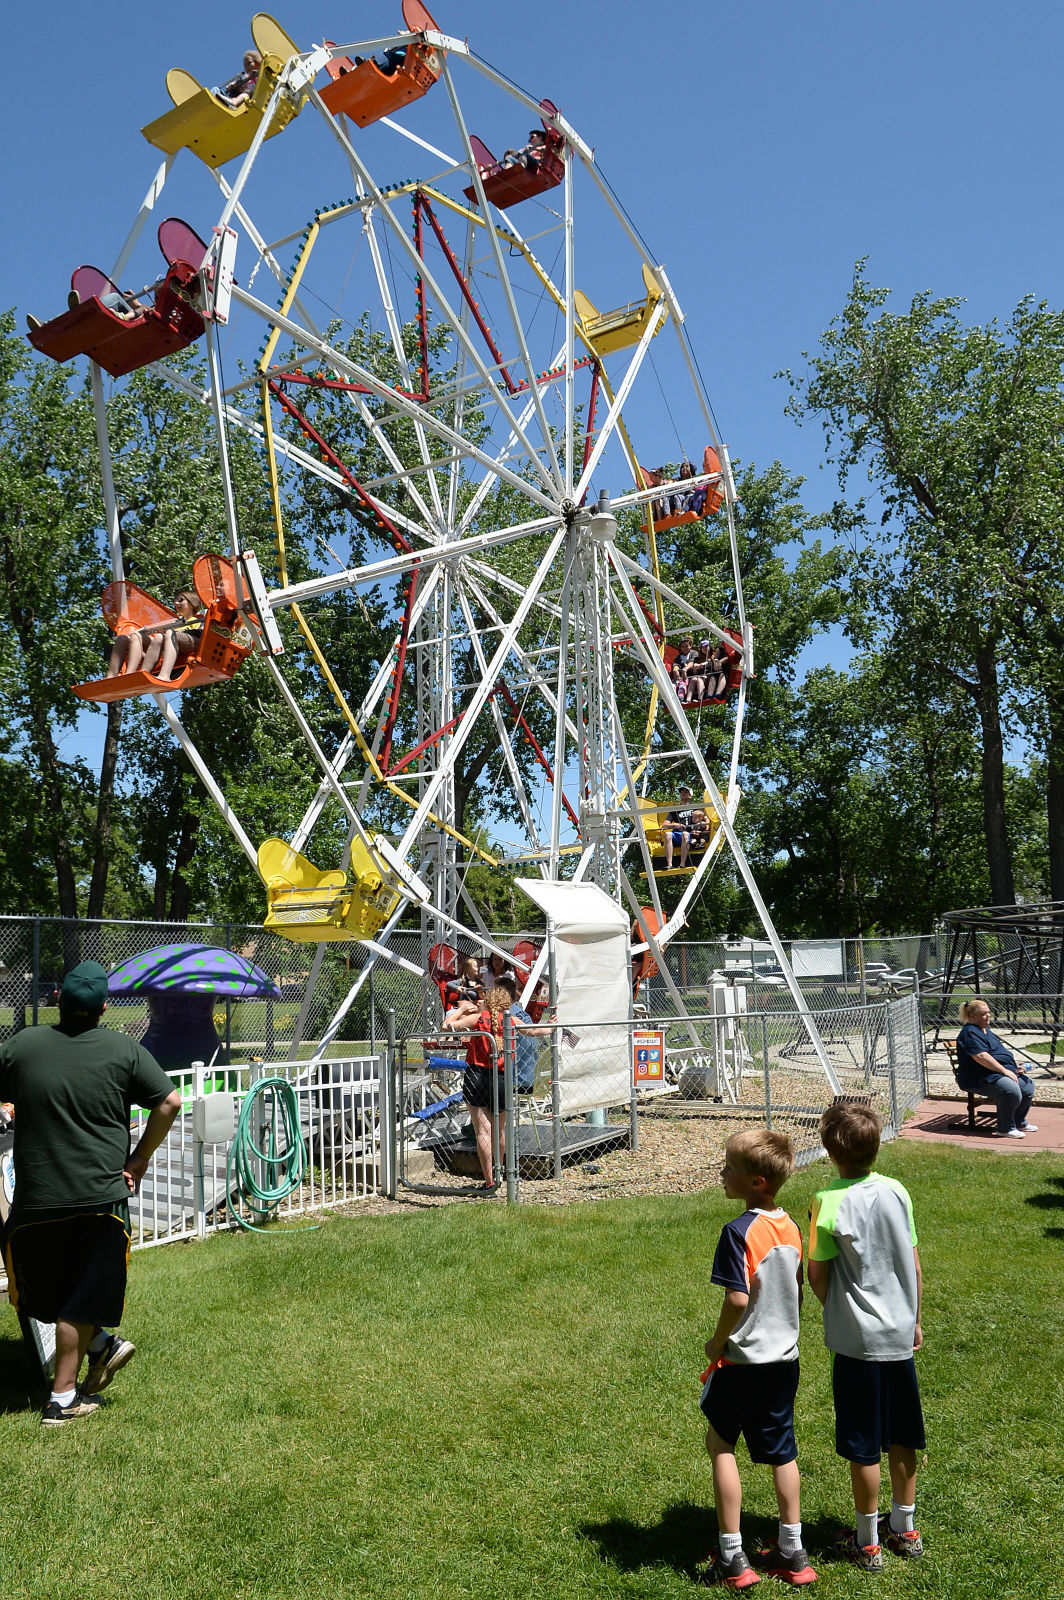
<point x="313" y="980"/>
<point x="588" y="1092"/>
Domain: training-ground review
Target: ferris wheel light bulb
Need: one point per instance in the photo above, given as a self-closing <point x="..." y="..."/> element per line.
<point x="603" y="524"/>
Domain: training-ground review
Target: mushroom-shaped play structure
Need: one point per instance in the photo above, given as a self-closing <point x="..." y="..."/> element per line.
<point x="182" y="983"/>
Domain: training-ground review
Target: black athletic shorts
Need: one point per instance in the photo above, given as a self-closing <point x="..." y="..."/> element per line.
<point x="757" y="1401"/>
<point x="477" y="1088"/>
<point x="877" y="1404"/>
<point x="72" y="1270"/>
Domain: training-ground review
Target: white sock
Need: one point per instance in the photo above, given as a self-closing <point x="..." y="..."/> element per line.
<point x="867" y="1528"/>
<point x="64" y="1398"/>
<point x="789" y="1538"/>
<point x="901" y="1517"/>
<point x="98" y="1340"/>
<point x="730" y="1545"/>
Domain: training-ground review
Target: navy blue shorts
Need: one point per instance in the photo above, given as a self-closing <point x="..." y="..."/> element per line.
<point x="73" y="1269"/>
<point x="877" y="1404"/>
<point x="757" y="1401"/>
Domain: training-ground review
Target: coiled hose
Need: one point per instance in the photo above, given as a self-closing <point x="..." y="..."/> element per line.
<point x="264" y="1175"/>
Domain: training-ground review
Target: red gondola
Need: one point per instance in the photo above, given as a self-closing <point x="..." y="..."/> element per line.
<point x="443" y="970"/>
<point x="507" y="182"/>
<point x="121" y="344"/>
<point x="734" y="653"/>
<point x="365" y="93"/>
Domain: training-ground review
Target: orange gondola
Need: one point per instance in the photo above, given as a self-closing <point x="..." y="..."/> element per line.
<point x="713" y="502"/>
<point x="505" y="183"/>
<point x="361" y="91"/>
<point x="224" y="645"/>
<point x="121" y="344"/>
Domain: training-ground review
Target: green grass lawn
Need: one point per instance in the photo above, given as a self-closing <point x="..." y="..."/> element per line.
<point x="476" y="1401"/>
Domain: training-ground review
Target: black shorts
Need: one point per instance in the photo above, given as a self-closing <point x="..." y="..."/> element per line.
<point x="72" y="1270"/>
<point x="877" y="1404"/>
<point x="477" y="1089"/>
<point x="757" y="1401"/>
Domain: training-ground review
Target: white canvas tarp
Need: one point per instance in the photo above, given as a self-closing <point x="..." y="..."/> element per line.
<point x="594" y="977"/>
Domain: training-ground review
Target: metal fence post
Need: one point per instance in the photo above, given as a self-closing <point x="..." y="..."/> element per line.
<point x="633" y="1130"/>
<point x="764" y="1064"/>
<point x="36" y="977"/>
<point x="555" y="1055"/>
<point x="389" y="1121"/>
<point x="919" y="1054"/>
<point x="510" y="1159"/>
<point x="199" y="1206"/>
<point x="892" y="1065"/>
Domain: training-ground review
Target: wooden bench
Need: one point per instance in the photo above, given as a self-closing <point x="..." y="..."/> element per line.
<point x="975" y="1099"/>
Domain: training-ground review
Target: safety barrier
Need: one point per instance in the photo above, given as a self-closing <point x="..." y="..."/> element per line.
<point x="188" y="1191"/>
<point x="591" y="1088"/>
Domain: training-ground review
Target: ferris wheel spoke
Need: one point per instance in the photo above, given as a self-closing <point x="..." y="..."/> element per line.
<point x="617" y="403"/>
<point x="537" y="679"/>
<point x="446" y="310"/>
<point x="404" y="366"/>
<point x="476" y="705"/>
<point x="504" y="280"/>
<point x="508" y="756"/>
<point x="358" y="373"/>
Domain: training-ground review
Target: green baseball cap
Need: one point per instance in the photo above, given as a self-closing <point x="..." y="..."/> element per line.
<point x="85" y="988"/>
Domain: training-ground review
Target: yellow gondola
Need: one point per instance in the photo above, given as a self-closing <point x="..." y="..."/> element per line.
<point x="217" y="132"/>
<point x="654" y="825"/>
<point x="608" y="331"/>
<point x="310" y="906"/>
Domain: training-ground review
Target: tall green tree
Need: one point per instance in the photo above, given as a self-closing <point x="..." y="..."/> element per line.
<point x="961" y="432"/>
<point x="49" y="586"/>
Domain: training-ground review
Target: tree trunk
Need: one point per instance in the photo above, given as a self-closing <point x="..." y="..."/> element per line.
<point x="101" y="857"/>
<point x="995" y="825"/>
<point x="186" y="850"/>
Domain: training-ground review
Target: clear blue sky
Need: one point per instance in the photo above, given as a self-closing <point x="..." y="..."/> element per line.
<point x="761" y="149"/>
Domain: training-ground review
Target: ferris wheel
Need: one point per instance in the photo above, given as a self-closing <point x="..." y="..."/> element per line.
<point x="432" y="348"/>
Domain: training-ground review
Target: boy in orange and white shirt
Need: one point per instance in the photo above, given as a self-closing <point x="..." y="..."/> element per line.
<point x="752" y="1379"/>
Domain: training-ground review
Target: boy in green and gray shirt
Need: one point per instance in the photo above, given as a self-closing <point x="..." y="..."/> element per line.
<point x="865" y="1270"/>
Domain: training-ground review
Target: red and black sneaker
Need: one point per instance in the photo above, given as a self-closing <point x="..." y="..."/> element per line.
<point x="794" y="1569"/>
<point x="736" y="1573"/>
<point x="907" y="1545"/>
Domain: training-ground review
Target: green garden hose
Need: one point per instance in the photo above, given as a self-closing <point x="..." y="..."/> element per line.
<point x="264" y="1175"/>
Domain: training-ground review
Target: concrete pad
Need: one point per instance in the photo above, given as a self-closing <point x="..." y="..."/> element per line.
<point x="946" y="1122"/>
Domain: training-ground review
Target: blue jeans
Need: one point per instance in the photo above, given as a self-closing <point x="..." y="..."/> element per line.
<point x="1013" y="1098"/>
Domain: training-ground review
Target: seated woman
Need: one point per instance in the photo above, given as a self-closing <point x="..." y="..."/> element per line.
<point x="181" y="642"/>
<point x="157" y="650"/>
<point x="989" y="1067"/>
<point x="676" y="502"/>
<point x="716" y="671"/>
<point x="676" y="830"/>
<point x="679" y="681"/>
<point x="696" y="678"/>
<point x="496" y="966"/>
<point x="240" y="89"/>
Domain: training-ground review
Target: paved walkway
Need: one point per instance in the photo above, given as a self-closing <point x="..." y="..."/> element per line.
<point x="946" y="1122"/>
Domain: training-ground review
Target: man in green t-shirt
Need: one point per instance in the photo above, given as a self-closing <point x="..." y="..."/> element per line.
<point x="73" y="1087"/>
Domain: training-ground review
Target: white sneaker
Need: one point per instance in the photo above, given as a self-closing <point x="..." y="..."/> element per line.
<point x="1011" y="1133"/>
<point x="1028" y="1127"/>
